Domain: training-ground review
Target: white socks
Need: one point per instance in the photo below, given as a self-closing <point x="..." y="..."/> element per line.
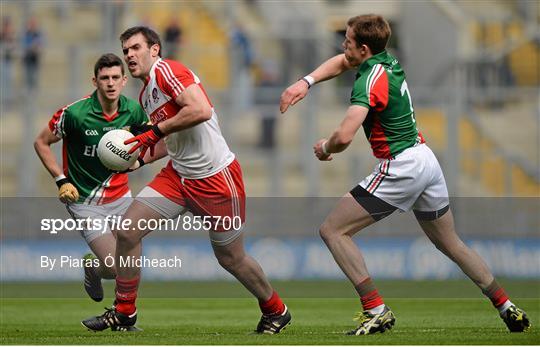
<point x="377" y="310"/>
<point x="504" y="306"/>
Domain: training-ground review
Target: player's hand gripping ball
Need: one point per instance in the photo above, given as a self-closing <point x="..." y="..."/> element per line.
<point x="113" y="153"/>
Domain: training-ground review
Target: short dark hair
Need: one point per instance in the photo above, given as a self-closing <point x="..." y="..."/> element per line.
<point x="108" y="60"/>
<point x="151" y="37"/>
<point x="371" y="30"/>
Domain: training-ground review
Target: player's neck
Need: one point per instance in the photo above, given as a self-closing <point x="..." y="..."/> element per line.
<point x="366" y="57"/>
<point x="109" y="107"/>
<point x="144" y="77"/>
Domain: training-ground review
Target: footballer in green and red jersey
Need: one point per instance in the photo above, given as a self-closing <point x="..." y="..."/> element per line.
<point x="407" y="177"/>
<point x="390" y="125"/>
<point x="81" y="125"/>
<point x="91" y="192"/>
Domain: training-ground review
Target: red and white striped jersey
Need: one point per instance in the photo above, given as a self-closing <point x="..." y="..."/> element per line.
<point x="197" y="152"/>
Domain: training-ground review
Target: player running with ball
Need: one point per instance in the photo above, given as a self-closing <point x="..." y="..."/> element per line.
<point x="88" y="188"/>
<point x="202" y="176"/>
<point x="408" y="175"/>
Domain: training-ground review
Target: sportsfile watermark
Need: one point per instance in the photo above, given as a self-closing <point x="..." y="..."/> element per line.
<point x="181" y="223"/>
<point x="281" y="233"/>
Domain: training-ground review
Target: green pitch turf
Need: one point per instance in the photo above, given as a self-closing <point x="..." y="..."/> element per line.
<point x="428" y="313"/>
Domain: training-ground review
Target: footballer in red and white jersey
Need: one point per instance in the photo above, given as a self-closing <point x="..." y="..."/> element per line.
<point x="196" y="152"/>
<point x="202" y="176"/>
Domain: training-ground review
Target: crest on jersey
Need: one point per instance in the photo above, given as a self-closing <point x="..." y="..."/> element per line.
<point x="155" y="95"/>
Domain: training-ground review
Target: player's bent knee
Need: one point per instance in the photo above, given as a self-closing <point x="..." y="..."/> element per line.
<point x="324" y="233"/>
<point x="327" y="232"/>
<point x="333" y="228"/>
<point x="128" y="238"/>
<point x="230" y="256"/>
<point x="229" y="261"/>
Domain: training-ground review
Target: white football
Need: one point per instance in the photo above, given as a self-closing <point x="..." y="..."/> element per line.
<point x="113" y="153"/>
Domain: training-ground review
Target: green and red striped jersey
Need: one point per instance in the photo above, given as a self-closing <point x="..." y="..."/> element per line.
<point x="390" y="125"/>
<point x="81" y="125"/>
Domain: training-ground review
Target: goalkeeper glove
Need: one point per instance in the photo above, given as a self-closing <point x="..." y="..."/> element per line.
<point x="146" y="140"/>
<point x="67" y="191"/>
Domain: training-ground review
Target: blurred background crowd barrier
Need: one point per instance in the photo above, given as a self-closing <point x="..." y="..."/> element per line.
<point x="473" y="68"/>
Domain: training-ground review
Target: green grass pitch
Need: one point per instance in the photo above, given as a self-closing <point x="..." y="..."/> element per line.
<point x="197" y="313"/>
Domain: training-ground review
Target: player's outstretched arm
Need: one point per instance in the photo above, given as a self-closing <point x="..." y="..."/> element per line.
<point x="329" y="69"/>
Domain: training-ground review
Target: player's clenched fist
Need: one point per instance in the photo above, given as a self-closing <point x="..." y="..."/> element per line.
<point x="293" y="94"/>
<point x="320" y="150"/>
<point x="146" y="140"/>
<point x="67" y="191"/>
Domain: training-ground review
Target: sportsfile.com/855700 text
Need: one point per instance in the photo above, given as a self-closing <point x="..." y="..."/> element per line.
<point x="183" y="222"/>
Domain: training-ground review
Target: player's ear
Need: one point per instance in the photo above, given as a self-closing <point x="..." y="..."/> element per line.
<point x="94" y="81"/>
<point x="154" y="50"/>
<point x="365" y="49"/>
<point x="124" y="80"/>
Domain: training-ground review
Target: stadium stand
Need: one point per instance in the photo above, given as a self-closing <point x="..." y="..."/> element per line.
<point x="487" y="161"/>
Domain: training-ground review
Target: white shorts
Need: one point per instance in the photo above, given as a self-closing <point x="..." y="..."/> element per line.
<point x="98" y="213"/>
<point x="412" y="180"/>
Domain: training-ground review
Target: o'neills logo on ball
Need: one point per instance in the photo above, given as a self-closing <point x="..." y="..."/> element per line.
<point x="118" y="151"/>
